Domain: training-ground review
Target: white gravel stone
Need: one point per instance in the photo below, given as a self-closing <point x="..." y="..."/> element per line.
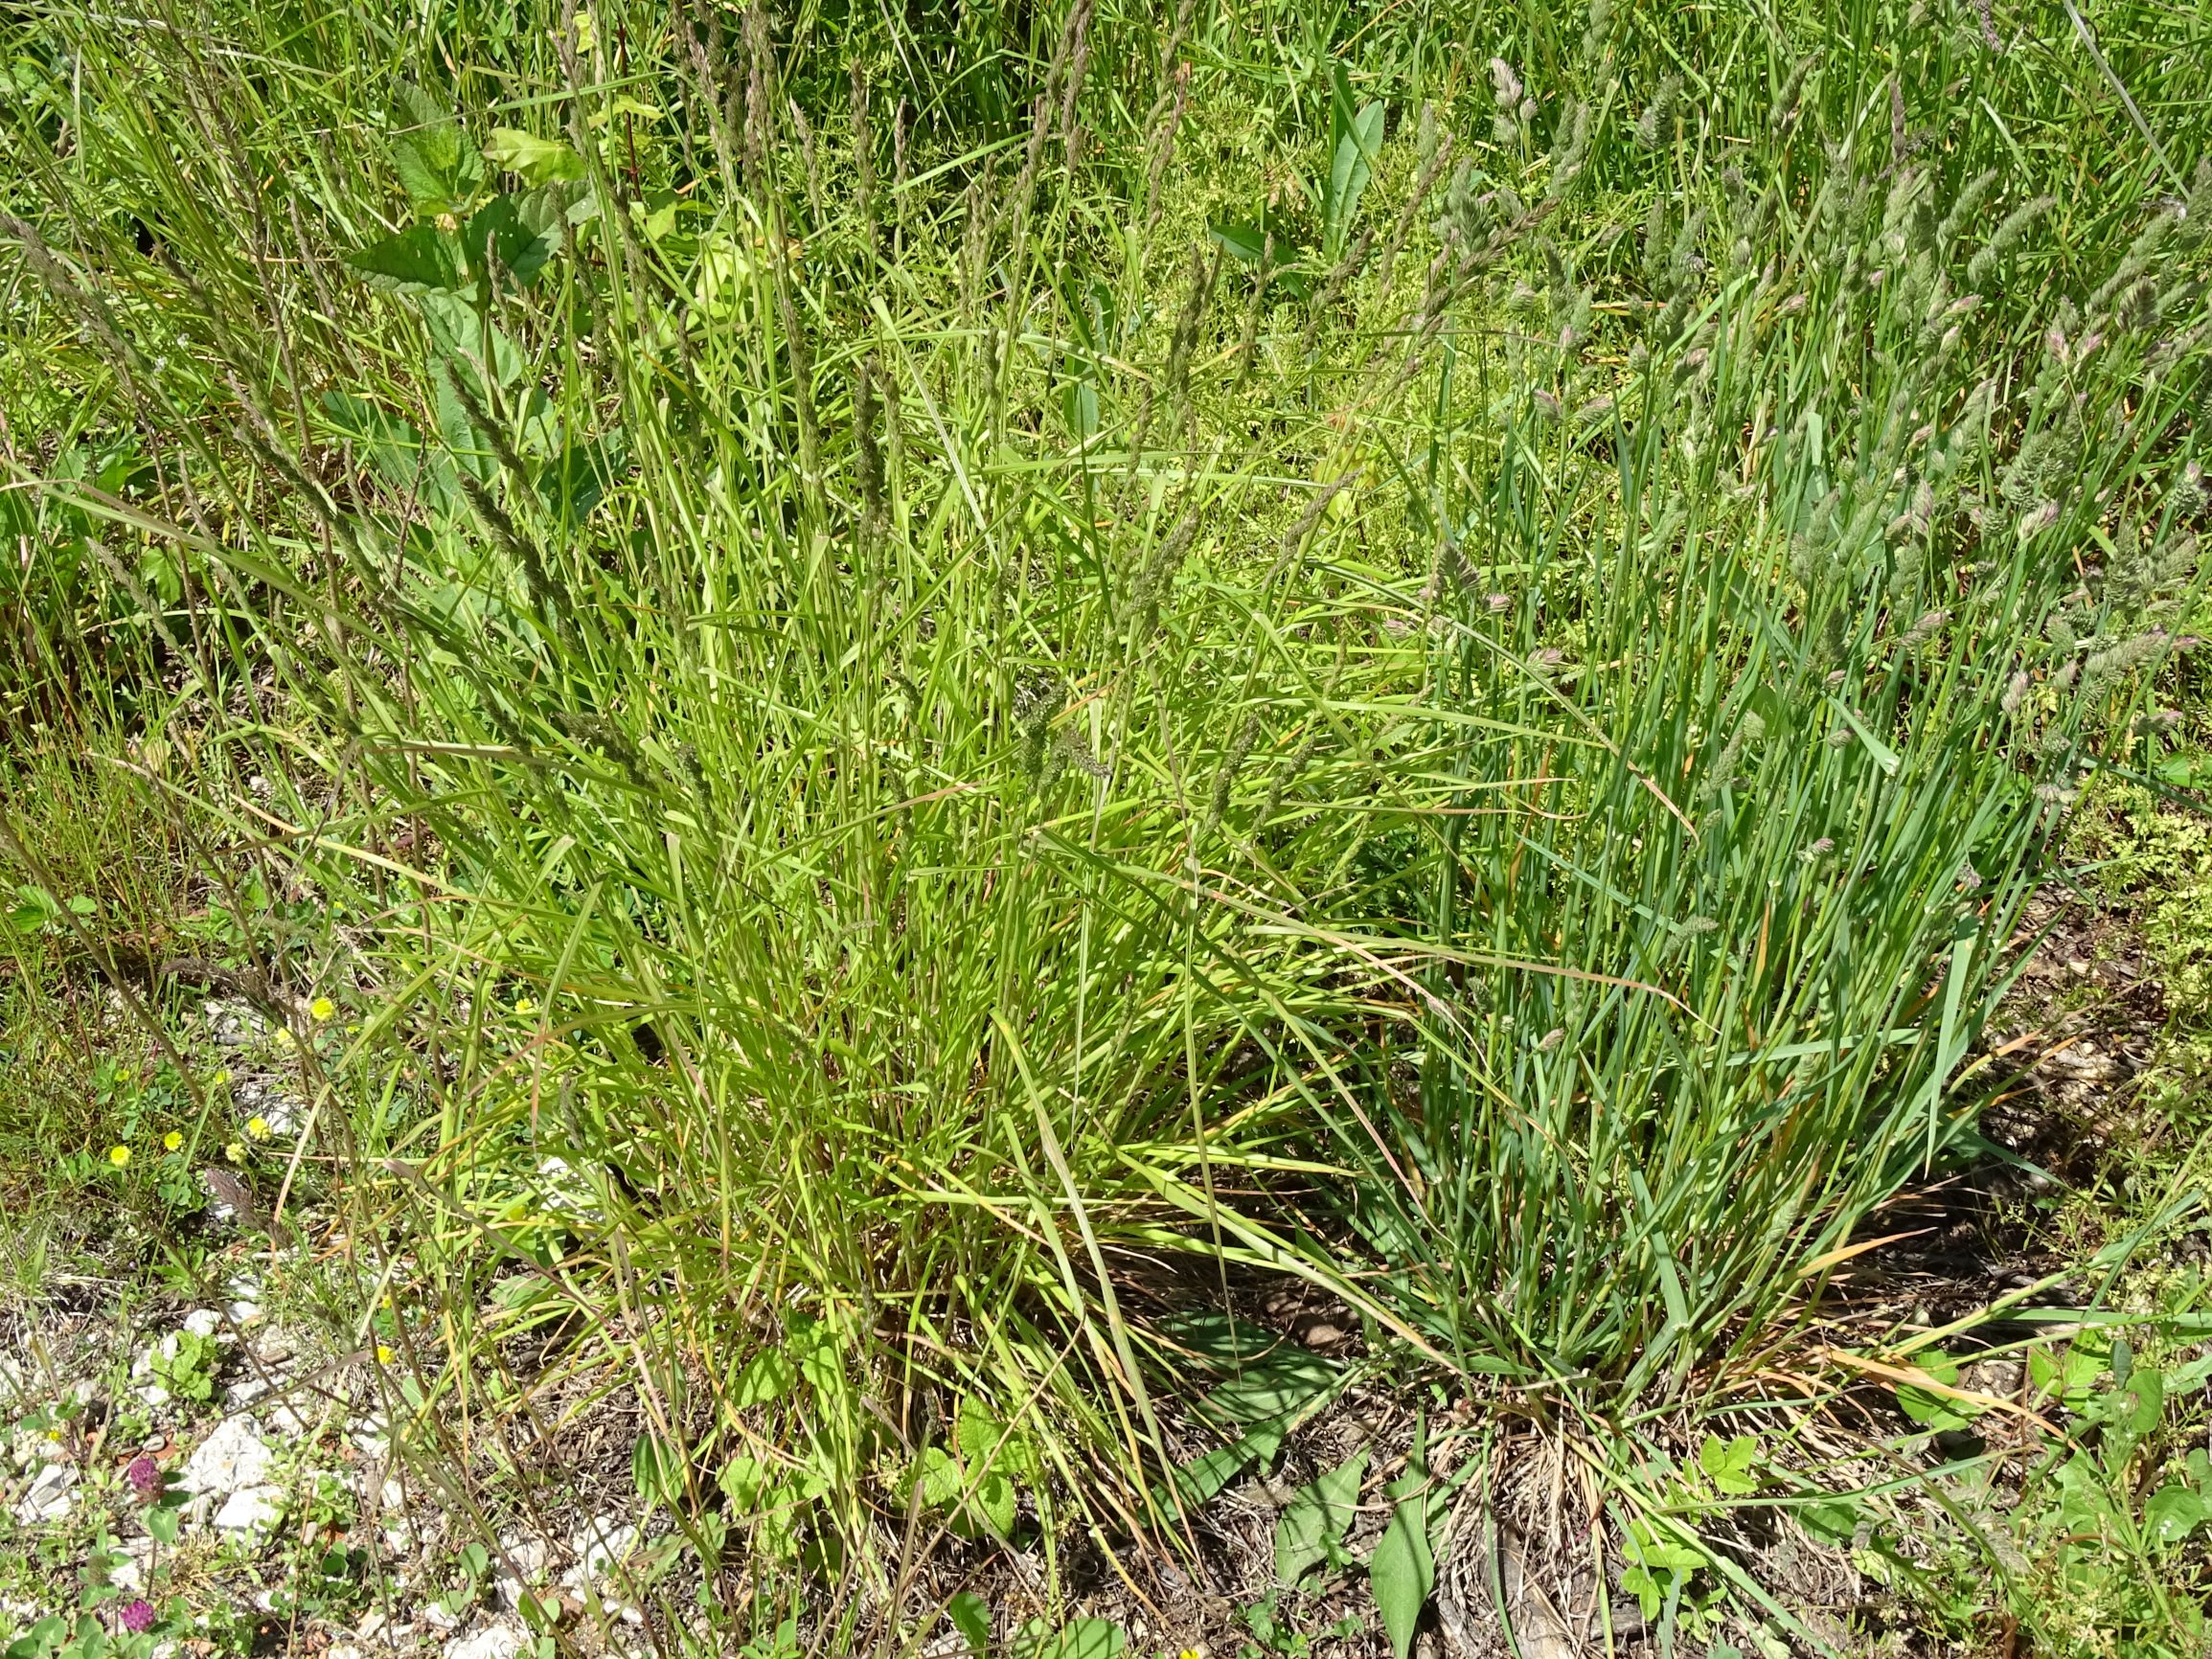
<point x="51" y="1496"/>
<point x="600" y="1544"/>
<point x="501" y="1640"/>
<point x="251" y="1509"/>
<point x="203" y="1322"/>
<point x="232" y="1458"/>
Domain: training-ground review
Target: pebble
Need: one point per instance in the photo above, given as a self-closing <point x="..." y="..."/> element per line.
<point x="598" y="1544"/>
<point x="251" y="1509"/>
<point x="502" y="1639"/>
<point x="49" y="1496"/>
<point x="235" y="1456"/>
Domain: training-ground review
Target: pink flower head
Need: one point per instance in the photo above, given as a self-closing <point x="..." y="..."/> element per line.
<point x="137" y="1617"/>
<point x="144" y="1477"/>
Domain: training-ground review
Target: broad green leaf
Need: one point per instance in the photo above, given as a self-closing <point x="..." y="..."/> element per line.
<point x="744" y="1481"/>
<point x="497" y="228"/>
<point x="2143" y="1399"/>
<point x="1082" y="1639"/>
<point x="462" y="335"/>
<point x="970" y="1616"/>
<point x="1645" y="1585"/>
<point x="577" y="480"/>
<point x="985" y="1443"/>
<point x="993" y="1503"/>
<point x="1206" y="1474"/>
<point x="392" y="446"/>
<point x="1662" y="1551"/>
<point x="1316" y="1518"/>
<point x="163" y="1522"/>
<point x="530" y="158"/>
<point x="2173" y="1512"/>
<point x="2073" y="1378"/>
<point x="35" y="907"/>
<point x="1830" y="1520"/>
<point x="1728" y="1463"/>
<point x="939" y="1477"/>
<point x="418" y="259"/>
<point x="1358" y="141"/>
<point x="1278" y="1384"/>
<point x="1403" y="1570"/>
<point x="438" y="167"/>
<point x="820" y="1357"/>
<point x="1933" y="1410"/>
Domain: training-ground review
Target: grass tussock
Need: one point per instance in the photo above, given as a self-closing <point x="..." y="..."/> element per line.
<point x="928" y="683"/>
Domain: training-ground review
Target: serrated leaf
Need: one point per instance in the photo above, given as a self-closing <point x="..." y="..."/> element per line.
<point x="420" y="258"/>
<point x="1403" y="1570"/>
<point x="985" y="1443"/>
<point x="1316" y="1518"/>
<point x="970" y="1616"/>
<point x="939" y="1477"/>
<point x="993" y="1503"/>
<point x="975" y="1431"/>
<point x="530" y="158"/>
<point x="438" y="167"/>
<point x="497" y="229"/>
<point x="767" y="1377"/>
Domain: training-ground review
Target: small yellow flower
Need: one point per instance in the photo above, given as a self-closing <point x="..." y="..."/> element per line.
<point x="172" y="1141"/>
<point x="525" y="1007"/>
<point x="221" y="1077"/>
<point x="258" y="1127"/>
<point x="119" y="1156"/>
<point x="322" y="1008"/>
<point x="122" y="1074"/>
<point x="384" y="1354"/>
<point x="235" y="1152"/>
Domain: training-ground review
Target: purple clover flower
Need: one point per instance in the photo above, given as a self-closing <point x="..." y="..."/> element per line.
<point x="137" y="1617"/>
<point x="144" y="1477"/>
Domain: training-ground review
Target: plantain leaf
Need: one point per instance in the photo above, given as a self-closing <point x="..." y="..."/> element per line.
<point x="1403" y="1570"/>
